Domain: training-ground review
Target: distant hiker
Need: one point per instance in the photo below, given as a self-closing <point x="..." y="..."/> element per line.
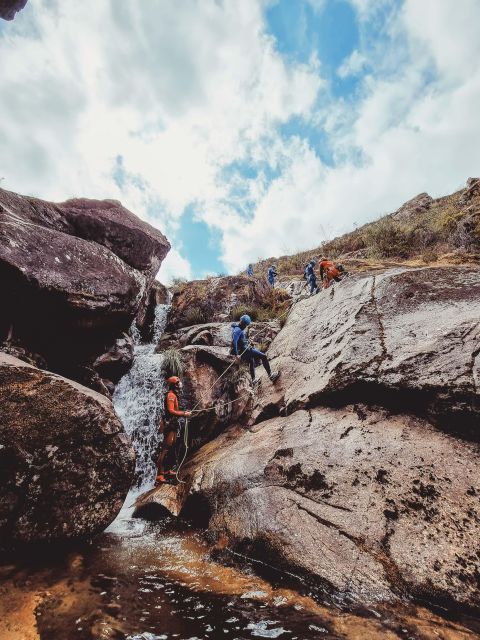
<point x="250" y="271"/>
<point x="311" y="276"/>
<point x="170" y="426"/>
<point x="244" y="350"/>
<point x="330" y="271"/>
<point x="272" y="274"/>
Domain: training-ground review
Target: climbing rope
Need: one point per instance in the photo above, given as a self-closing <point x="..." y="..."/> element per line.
<point x="194" y="410"/>
<point x="215" y="382"/>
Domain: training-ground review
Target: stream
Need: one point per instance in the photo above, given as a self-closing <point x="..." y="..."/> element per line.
<point x="143" y="580"/>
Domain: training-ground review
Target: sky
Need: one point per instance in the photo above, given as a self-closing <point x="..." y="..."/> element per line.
<point x="242" y="129"/>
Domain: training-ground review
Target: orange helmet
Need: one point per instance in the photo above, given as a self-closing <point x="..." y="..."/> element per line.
<point x="173" y="380"/>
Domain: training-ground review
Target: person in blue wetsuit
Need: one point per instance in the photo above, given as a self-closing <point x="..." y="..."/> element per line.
<point x="243" y="349"/>
<point x="272" y="274"/>
<point x="311" y="277"/>
<point x="250" y="271"/>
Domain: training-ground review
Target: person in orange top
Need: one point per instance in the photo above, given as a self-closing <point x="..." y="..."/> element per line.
<point x="328" y="272"/>
<point x="169" y="425"/>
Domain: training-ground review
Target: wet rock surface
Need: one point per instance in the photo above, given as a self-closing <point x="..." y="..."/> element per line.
<point x="83" y="268"/>
<point x="359" y="467"/>
<point x="220" y="404"/>
<point x="402" y="336"/>
<point x="372" y="505"/>
<point x="117" y="361"/>
<point x="155" y="580"/>
<point x="65" y="462"/>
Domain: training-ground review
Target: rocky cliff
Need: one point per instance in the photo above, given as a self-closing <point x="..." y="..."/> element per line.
<point x="73" y="278"/>
<point x="359" y="469"/>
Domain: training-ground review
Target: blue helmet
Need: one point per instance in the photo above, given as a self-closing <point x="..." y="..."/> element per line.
<point x="246" y="320"/>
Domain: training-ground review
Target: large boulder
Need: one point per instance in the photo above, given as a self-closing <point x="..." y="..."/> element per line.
<point x="65" y="462"/>
<point x="73" y="275"/>
<point x="218" y="386"/>
<point x="399" y="338"/>
<point x="412" y="208"/>
<point x="360" y="469"/>
<point x="369" y="504"/>
<point x="9" y="8"/>
<point x="218" y="334"/>
<point x="117" y="360"/>
<point x="214" y="300"/>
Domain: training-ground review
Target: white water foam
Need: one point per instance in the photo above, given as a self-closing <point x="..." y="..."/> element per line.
<point x="139" y="401"/>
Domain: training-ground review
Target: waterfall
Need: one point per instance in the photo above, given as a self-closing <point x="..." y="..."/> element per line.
<point x="139" y="399"/>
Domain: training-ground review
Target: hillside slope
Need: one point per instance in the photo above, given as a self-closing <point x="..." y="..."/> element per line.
<point x="422" y="231"/>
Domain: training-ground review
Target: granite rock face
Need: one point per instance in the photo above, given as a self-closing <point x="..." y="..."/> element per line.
<point x="65" y="462"/>
<point x="73" y="276"/>
<point x="359" y="468"/>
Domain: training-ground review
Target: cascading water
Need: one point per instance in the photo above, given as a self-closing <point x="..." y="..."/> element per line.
<point x="139" y="398"/>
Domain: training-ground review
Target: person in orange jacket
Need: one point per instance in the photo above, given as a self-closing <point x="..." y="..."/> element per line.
<point x="169" y="425"/>
<point x="328" y="272"/>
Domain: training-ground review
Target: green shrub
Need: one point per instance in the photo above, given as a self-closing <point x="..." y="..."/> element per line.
<point x="240" y="310"/>
<point x="195" y="315"/>
<point x="172" y="363"/>
<point x="386" y="238"/>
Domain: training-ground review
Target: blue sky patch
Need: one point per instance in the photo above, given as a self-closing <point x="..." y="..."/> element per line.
<point x="200" y="243"/>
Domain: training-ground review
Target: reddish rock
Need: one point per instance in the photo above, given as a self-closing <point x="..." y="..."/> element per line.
<point x="73" y="275"/>
<point x="212" y="300"/>
<point x="226" y="400"/>
<point x="65" y="462"/>
<point x="117" y="361"/>
<point x="372" y="504"/>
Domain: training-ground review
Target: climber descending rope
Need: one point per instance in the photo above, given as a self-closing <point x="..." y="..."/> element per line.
<point x="243" y="350"/>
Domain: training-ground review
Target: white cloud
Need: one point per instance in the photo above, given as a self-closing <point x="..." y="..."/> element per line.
<point x="414" y="128"/>
<point x="174" y="266"/>
<point x="178" y="90"/>
<point x="352" y="65"/>
<point x="182" y="91"/>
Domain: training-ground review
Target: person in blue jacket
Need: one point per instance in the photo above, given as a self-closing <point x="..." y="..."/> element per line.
<point x="244" y="350"/>
<point x="272" y="274"/>
<point x="311" y="277"/>
<point x="250" y="271"/>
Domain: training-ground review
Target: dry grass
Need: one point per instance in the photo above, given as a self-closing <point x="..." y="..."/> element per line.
<point x="448" y="227"/>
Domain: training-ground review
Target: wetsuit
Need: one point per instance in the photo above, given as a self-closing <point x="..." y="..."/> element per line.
<point x="272" y="274"/>
<point x="169" y="451"/>
<point x="329" y="272"/>
<point x="241" y="347"/>
<point x="311" y="277"/>
<point x="172" y="409"/>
